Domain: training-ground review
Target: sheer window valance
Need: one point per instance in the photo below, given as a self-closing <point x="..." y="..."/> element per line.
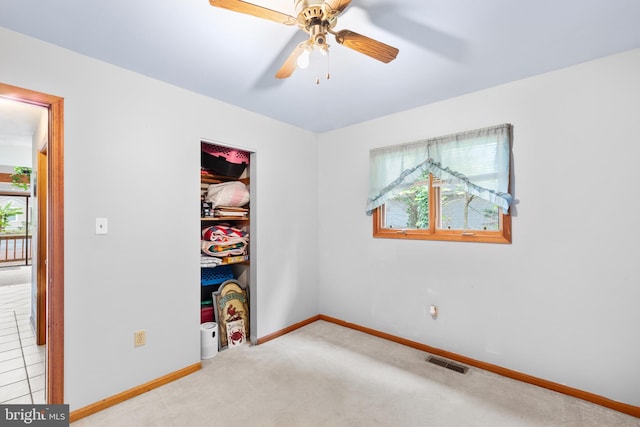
<point x="479" y="160"/>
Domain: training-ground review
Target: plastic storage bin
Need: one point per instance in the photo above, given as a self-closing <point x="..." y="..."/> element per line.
<point x="206" y="314"/>
<point x="223" y="160"/>
<point x="215" y="275"/>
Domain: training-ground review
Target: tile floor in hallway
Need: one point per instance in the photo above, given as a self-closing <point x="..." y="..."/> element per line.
<point x="22" y="362"/>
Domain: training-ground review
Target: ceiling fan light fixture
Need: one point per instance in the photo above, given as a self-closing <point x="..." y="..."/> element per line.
<point x="303" y="59"/>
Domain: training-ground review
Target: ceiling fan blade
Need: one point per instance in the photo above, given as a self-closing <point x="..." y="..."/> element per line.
<point x="338" y="5"/>
<point x="266" y="79"/>
<point x="290" y="64"/>
<point x="254" y="10"/>
<point x="363" y="44"/>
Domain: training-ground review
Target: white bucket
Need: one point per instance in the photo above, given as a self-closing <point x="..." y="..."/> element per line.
<point x="208" y="340"/>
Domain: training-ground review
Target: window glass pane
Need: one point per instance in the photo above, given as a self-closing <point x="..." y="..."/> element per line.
<point x="409" y="208"/>
<point x="461" y="211"/>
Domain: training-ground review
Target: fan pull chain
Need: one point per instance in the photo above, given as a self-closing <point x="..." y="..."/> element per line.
<point x="319" y="65"/>
<point x="328" y="66"/>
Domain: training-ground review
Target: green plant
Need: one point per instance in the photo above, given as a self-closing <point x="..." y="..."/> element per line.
<point x="19" y="176"/>
<point x="6" y="212"/>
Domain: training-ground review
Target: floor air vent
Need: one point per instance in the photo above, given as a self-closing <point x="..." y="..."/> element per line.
<point x="446" y="364"/>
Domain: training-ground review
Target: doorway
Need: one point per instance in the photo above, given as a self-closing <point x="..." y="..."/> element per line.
<point x="52" y="265"/>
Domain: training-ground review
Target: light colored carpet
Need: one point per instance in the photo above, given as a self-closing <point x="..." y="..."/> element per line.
<point x="327" y="375"/>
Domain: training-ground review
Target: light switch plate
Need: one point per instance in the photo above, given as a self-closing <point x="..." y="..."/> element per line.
<point x="101" y="225"/>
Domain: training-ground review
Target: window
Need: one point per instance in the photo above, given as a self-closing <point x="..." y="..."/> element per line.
<point x="448" y="188"/>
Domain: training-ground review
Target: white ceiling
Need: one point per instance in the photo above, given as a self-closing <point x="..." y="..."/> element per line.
<point x="447" y="48"/>
<point x="18" y="122"/>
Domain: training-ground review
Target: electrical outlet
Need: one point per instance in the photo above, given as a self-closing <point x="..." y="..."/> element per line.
<point x="433" y="311"/>
<point x="139" y="338"/>
<point x="101" y="226"/>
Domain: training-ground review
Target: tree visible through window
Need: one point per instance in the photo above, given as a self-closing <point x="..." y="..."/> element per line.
<point x="409" y="208"/>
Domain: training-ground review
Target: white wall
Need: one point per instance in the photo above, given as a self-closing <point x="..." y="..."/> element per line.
<point x="15" y="155"/>
<point x="561" y="302"/>
<point x="132" y="155"/>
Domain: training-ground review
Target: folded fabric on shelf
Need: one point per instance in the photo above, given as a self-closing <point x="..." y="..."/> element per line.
<point x="222" y="249"/>
<point x="209" y="261"/>
<point x="224" y="240"/>
<point x="215" y="231"/>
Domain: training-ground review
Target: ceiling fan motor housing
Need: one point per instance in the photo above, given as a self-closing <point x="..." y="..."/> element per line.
<point x="309" y="9"/>
<point x="316" y="18"/>
<point x="318" y="33"/>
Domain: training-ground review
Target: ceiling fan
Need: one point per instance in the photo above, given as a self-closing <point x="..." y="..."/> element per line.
<point x="317" y="18"/>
